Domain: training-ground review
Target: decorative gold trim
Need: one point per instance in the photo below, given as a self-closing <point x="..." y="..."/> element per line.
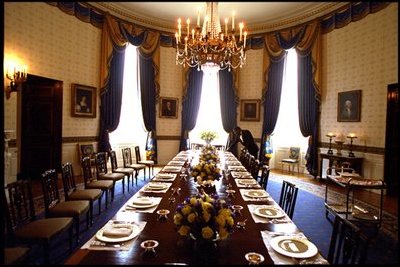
<point x="168" y="137"/>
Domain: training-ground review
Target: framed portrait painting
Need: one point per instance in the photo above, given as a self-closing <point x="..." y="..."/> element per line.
<point x="250" y="110"/>
<point x="349" y="106"/>
<point x="83" y="101"/>
<point x="168" y="107"/>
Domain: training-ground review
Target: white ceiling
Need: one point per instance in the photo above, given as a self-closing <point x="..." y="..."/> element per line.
<point x="258" y="16"/>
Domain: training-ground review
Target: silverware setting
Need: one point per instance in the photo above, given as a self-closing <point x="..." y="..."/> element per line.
<point x="97" y="243"/>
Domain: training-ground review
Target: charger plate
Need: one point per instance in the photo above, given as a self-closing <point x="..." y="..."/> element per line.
<point x="108" y="239"/>
<point x="292" y="246"/>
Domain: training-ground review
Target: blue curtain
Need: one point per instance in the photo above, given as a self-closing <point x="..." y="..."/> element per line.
<point x="308" y="109"/>
<point x="228" y="100"/>
<point x="111" y="98"/>
<point x="190" y="105"/>
<point x="272" y="99"/>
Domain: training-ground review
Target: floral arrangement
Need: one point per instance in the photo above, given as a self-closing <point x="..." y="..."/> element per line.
<point x="208" y="136"/>
<point x="205" y="173"/>
<point x="209" y="154"/>
<point x="203" y="217"/>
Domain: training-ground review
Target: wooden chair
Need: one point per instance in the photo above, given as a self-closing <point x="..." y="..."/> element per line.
<point x="103" y="173"/>
<point x="128" y="172"/>
<point x="263" y="179"/>
<point x="348" y="244"/>
<point x="287" y="200"/>
<point x="55" y="208"/>
<point x="71" y="192"/>
<point x="21" y="222"/>
<point x="255" y="168"/>
<point x="127" y="158"/>
<point x="91" y="183"/>
<point x="87" y="150"/>
<point x="148" y="163"/>
<point x="293" y="160"/>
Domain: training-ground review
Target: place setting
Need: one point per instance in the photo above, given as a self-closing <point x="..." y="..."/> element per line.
<point x="254" y="194"/>
<point x="241" y="175"/>
<point x="142" y="204"/>
<point x="155" y="187"/>
<point x="268" y="214"/>
<point x="247" y="183"/>
<point x="165" y="177"/>
<point x="236" y="168"/>
<point x="291" y="248"/>
<point x="169" y="168"/>
<point x="176" y="163"/>
<point x="115" y="235"/>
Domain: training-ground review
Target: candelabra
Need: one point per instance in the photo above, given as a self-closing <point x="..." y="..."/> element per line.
<point x="330" y="135"/>
<point x="351" y="137"/>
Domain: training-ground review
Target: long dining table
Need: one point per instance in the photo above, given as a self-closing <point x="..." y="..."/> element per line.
<point x="180" y="250"/>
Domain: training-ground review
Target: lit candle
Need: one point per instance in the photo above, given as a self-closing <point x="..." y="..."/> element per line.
<point x="186" y="45"/>
<point x="188" y="26"/>
<point x="233" y="20"/>
<point x="352" y="135"/>
<point x="240" y="31"/>
<point x="177" y="40"/>
<point x="193" y="34"/>
<point x="226" y="26"/>
<point x="245" y="35"/>
<point x="330" y="134"/>
<point x="179" y="27"/>
<point x="198" y="17"/>
<point x="222" y="36"/>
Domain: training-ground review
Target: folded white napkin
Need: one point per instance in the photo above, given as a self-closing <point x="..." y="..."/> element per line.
<point x="119" y="230"/>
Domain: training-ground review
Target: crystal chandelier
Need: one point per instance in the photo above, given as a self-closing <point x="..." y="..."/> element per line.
<point x="208" y="44"/>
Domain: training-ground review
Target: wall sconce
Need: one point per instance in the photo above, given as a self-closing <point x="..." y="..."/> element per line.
<point x="351" y="136"/>
<point x="330" y="135"/>
<point x="16" y="79"/>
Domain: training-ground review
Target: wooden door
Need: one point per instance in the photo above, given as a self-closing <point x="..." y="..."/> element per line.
<point x="41" y="126"/>
<point x="392" y="142"/>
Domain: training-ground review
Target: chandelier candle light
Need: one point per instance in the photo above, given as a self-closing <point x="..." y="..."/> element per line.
<point x="330" y="135"/>
<point x="208" y="43"/>
<point x="351" y="136"/>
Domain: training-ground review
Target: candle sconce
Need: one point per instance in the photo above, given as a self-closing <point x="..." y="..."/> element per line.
<point x="17" y="77"/>
<point x="330" y="135"/>
<point x="351" y="137"/>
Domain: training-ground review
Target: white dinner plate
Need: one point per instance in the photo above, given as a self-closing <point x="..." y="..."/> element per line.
<point x="155" y="187"/>
<point x="135" y="232"/>
<point x="142" y="201"/>
<point x="165" y="176"/>
<point x="172" y="169"/>
<point x="136" y="206"/>
<point x="255" y="193"/>
<point x="176" y="163"/>
<point x="269" y="212"/>
<point x="293" y="246"/>
<point x="247" y="182"/>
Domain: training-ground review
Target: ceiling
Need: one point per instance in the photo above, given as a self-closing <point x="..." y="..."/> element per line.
<point x="258" y="17"/>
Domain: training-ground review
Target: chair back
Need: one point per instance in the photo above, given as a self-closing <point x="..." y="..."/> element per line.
<point x="263" y="181"/>
<point x="348" y="245"/>
<point x="137" y="154"/>
<point x="294" y="153"/>
<point x="287" y="200"/>
<point x="113" y="159"/>
<point x="87" y="171"/>
<point x="242" y="155"/>
<point x="68" y="179"/>
<point x="50" y="189"/>
<point x="101" y="163"/>
<point x="127" y="156"/>
<point x="255" y="168"/>
<point x="18" y="205"/>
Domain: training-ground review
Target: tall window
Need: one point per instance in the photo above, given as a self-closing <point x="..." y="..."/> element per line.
<point x="130" y="131"/>
<point x="209" y="116"/>
<point x="287" y="130"/>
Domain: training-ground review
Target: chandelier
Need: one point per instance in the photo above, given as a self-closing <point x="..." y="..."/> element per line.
<point x="208" y="44"/>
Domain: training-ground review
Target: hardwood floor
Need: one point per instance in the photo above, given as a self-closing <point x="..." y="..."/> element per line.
<point x="390" y="204"/>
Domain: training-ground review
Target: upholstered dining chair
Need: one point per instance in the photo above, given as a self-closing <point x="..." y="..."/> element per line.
<point x="348" y="244"/>
<point x="255" y="168"/>
<point x="54" y="207"/>
<point x="128" y="163"/>
<point x="128" y="172"/>
<point x="103" y="173"/>
<point x="72" y="193"/>
<point x="288" y="197"/>
<point x="92" y="183"/>
<point x="148" y="163"/>
<point x="22" y="224"/>
<point x="293" y="160"/>
<point x="15" y="255"/>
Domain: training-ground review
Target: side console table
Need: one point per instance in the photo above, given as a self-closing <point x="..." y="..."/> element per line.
<point x="355" y="162"/>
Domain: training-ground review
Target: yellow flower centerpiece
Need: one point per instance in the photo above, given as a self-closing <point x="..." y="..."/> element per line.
<point x="203" y="218"/>
<point x="209" y="154"/>
<point x="208" y="136"/>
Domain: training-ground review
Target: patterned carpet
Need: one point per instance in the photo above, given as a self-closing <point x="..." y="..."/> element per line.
<point x="389" y="221"/>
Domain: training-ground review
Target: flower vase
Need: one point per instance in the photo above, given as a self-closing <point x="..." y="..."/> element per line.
<point x="208" y="189"/>
<point x="204" y="245"/>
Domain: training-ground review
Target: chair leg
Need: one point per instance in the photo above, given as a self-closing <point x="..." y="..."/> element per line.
<point x="77" y="229"/>
<point x="46" y="252"/>
<point x="101" y="196"/>
<point x="144" y="177"/>
<point x="112" y="192"/>
<point x="123" y="185"/>
<point x="107" y="192"/>
<point x="71" y="237"/>
<point x="91" y="212"/>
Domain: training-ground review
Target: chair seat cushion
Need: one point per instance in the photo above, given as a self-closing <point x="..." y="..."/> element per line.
<point x="15" y="255"/>
<point x="290" y="160"/>
<point x="111" y="176"/>
<point x="43" y="228"/>
<point x="124" y="170"/>
<point x="146" y="162"/>
<point x="87" y="194"/>
<point x="104" y="184"/>
<point x="69" y="208"/>
<point x="136" y="166"/>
